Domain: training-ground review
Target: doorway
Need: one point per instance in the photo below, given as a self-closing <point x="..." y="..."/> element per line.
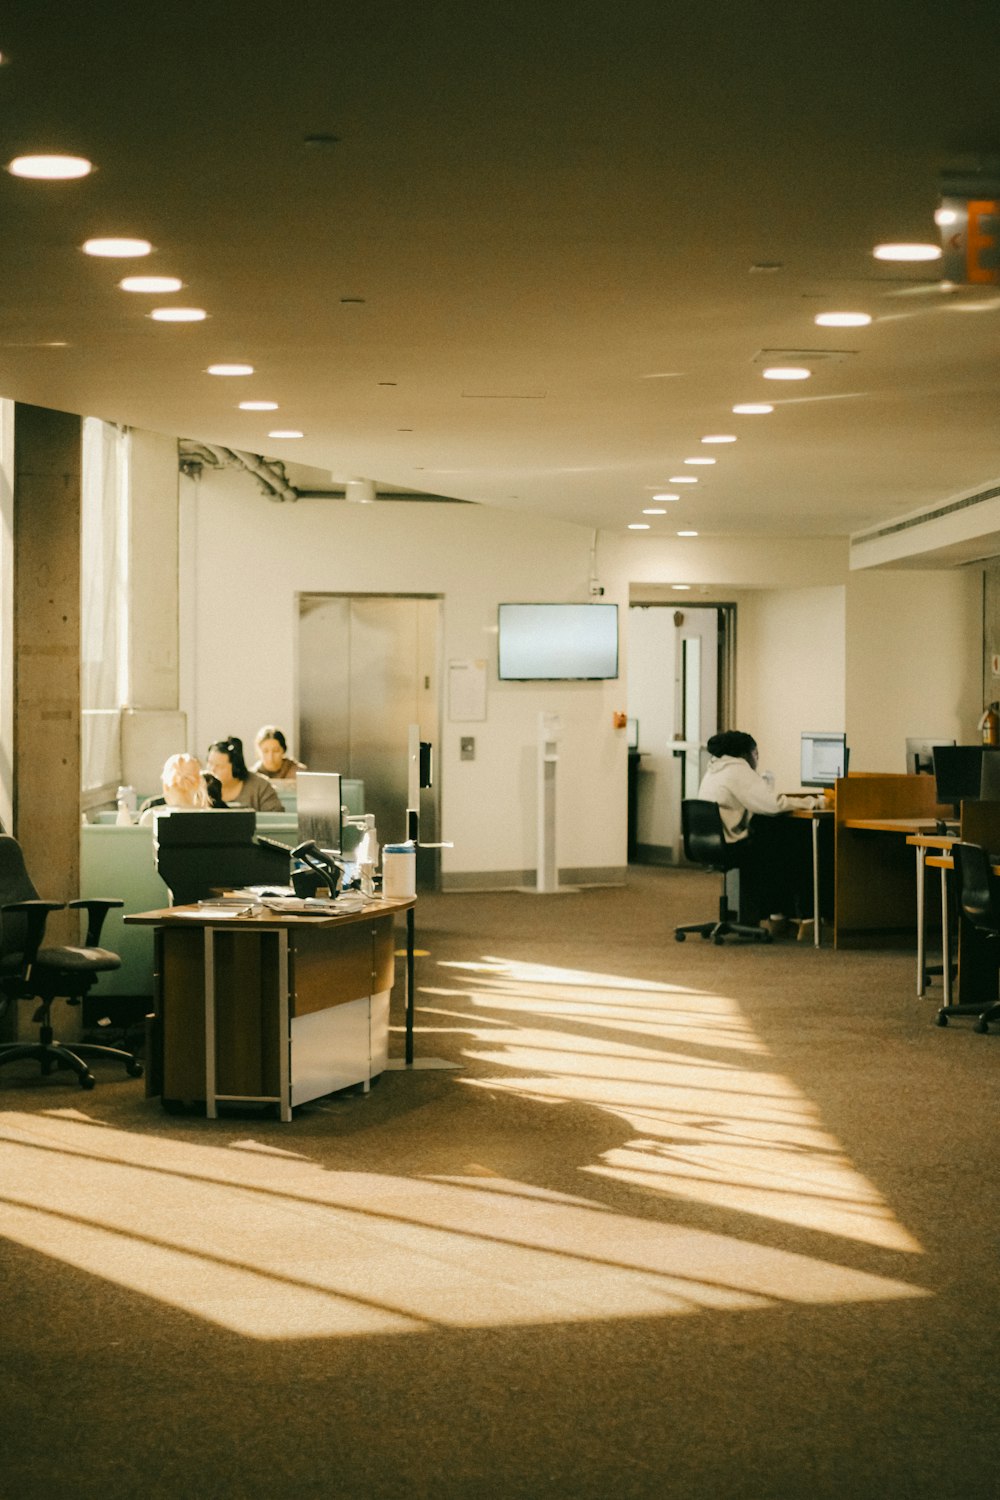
<point x="679" y="695"/>
<point x="368" y="669"/>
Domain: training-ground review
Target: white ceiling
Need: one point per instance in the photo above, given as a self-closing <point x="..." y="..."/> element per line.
<point x="551" y="211"/>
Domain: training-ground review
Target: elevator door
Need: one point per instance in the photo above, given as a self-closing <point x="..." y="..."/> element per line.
<point x="368" y="669"/>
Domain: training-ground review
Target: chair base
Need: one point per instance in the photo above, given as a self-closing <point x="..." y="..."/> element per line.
<point x="52" y="1054"/>
<point x="985" y="1013"/>
<point x="718" y="931"/>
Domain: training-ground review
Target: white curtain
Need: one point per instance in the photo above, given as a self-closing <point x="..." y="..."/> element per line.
<point x="104" y="601"/>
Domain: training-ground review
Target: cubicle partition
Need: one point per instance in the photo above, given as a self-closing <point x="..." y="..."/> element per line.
<point x="875" y="869"/>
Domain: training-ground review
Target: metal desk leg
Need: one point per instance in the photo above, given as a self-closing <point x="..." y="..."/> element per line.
<point x="945" y="941"/>
<point x="284" y="1032"/>
<point x="211" y="1108"/>
<point x="921" y="971"/>
<point x="816" y="916"/>
<point x="410" y="998"/>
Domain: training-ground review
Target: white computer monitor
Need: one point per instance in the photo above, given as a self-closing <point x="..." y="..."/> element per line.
<point x="823" y="757"/>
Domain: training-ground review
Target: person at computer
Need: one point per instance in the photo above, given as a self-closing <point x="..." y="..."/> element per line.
<point x="240" y="787"/>
<point x="184" y="789"/>
<point x="274" y="760"/>
<point x="775" y="868"/>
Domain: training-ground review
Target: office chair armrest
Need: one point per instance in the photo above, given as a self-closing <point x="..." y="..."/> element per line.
<point x="97" y="909"/>
<point x="36" y="913"/>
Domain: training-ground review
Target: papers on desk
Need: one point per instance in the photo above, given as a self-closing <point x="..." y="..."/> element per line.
<point x="315" y="906"/>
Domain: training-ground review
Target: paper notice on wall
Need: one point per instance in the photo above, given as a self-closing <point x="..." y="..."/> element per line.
<point x="466" y="690"/>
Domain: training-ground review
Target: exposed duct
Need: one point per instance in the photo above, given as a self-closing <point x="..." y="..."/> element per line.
<point x="270" y="476"/>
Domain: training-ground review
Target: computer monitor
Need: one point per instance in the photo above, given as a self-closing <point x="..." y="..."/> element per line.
<point x="824" y="757"/>
<point x="920" y="755"/>
<point x="198" y="853"/>
<point x="320" y="809"/>
<point x="989" y="781"/>
<point x="958" y="773"/>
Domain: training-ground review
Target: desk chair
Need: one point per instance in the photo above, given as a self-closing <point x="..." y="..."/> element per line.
<point x="29" y="971"/>
<point x="705" y="844"/>
<point x="978" y="904"/>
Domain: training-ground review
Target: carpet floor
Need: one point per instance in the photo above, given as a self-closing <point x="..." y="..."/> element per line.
<point x="680" y="1221"/>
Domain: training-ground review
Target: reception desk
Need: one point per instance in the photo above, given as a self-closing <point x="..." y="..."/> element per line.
<point x="275" y="1009"/>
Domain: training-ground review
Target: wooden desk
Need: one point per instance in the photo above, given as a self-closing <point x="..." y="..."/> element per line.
<point x="874" y="869"/>
<point x="271" y="1008"/>
<point x="979" y="823"/>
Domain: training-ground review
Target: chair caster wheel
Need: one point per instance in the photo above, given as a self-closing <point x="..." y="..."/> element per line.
<point x="134" y="1069"/>
<point x="87" y="1080"/>
<point x="940" y="1019"/>
<point x="679" y="937"/>
<point x="705" y="936"/>
<point x="982" y="1026"/>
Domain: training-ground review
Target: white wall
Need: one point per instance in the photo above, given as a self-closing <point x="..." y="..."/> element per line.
<point x="790" y="671"/>
<point x="913" y="661"/>
<point x="244" y="559"/>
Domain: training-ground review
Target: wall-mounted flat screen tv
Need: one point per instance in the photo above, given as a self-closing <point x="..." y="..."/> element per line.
<point x="557" y="642"/>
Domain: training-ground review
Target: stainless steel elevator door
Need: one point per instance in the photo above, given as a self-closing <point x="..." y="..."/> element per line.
<point x="368" y="669"/>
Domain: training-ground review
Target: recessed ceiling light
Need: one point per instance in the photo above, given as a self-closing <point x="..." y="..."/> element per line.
<point x="700" y="460"/>
<point x="179" y="314"/>
<point x="666" y="497"/>
<point x="683" y="479"/>
<point x="842" y="320"/>
<point x="687" y="533"/>
<point x="752" y="409"/>
<point x="50" y="168"/>
<point x="229" y="370"/>
<point x="638" y="526"/>
<point x="681" y="588"/>
<point x="162" y="284"/>
<point x="286" y="432"/>
<point x="653" y="510"/>
<point x="719" y="437"/>
<point x="120" y="249"/>
<point x="945" y="216"/>
<point x="258" y="406"/>
<point x="907" y="252"/>
<point x="786" y="372"/>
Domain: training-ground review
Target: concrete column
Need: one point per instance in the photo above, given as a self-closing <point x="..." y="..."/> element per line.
<point x="152" y="725"/>
<point x="46" y="750"/>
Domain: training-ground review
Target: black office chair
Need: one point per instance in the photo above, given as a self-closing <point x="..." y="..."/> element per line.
<point x="978" y="904"/>
<point x="29" y="971"/>
<point x="705" y="844"/>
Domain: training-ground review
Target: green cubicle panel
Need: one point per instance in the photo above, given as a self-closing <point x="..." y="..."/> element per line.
<point x="117" y="860"/>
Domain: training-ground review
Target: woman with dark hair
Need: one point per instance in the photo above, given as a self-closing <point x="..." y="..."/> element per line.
<point x="275" y="763"/>
<point x="776" y="870"/>
<point x="240" y="787"/>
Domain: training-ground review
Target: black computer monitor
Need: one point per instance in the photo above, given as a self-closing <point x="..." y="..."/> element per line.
<point x="199" y="853"/>
<point x="920" y="755"/>
<point x="958" y="773"/>
<point x="320" y="809"/>
<point x="989" y="781"/>
<point x="824" y="757"/>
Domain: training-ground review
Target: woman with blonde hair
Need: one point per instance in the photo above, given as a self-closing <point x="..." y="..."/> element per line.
<point x="184" y="789"/>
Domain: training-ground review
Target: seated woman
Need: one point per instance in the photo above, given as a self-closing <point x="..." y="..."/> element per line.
<point x="774" y="863"/>
<point x="184" y="789"/>
<point x="239" y="786"/>
<point x="275" y="762"/>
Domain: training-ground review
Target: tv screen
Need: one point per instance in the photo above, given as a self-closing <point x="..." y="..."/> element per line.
<point x="557" y="642"/>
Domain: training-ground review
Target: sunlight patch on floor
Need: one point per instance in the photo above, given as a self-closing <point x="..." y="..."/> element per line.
<point x="715" y="1125"/>
<point x="274" y="1246"/>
